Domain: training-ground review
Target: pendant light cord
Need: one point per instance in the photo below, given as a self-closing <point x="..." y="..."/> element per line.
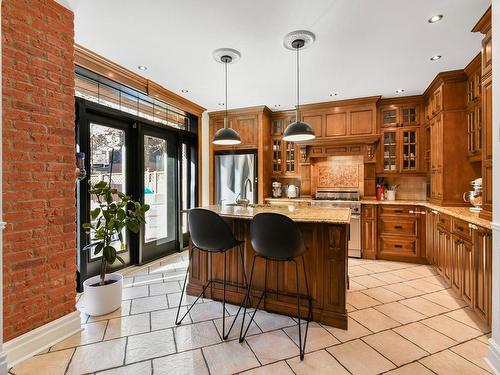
<point x="298" y="79"/>
<point x="225" y="69"/>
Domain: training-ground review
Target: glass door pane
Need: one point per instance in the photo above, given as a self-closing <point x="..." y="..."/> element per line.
<point x="159" y="182"/>
<point x="155" y="188"/>
<point x="107" y="163"/>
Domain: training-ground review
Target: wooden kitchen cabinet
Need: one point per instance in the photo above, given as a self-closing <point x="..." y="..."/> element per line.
<point x="247" y="127"/>
<point x="285" y="157"/>
<point x="483" y="26"/>
<point x="474" y="111"/>
<point x="400" y="115"/>
<point x="468" y="262"/>
<point x="430" y="235"/>
<point x="462" y="253"/>
<point x="450" y="168"/>
<point x="456" y="264"/>
<point x="482" y="273"/>
<point x="401" y="151"/>
<point x="369" y="231"/>
<point x="253" y="124"/>
<point x="342" y="119"/>
<point x="400" y="233"/>
<point x="444" y="250"/>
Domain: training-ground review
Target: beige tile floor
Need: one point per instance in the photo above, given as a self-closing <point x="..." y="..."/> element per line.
<point x="402" y="320"/>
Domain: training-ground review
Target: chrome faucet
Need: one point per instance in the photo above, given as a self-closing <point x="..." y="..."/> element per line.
<point x="244" y="201"/>
<point x="247" y="181"/>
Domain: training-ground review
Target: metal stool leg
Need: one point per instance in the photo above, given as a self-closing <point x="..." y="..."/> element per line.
<point x="248" y="298"/>
<point x="225" y="335"/>
<point x="177" y="320"/>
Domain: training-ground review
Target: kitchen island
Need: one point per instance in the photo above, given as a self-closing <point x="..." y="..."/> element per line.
<point x="325" y="232"/>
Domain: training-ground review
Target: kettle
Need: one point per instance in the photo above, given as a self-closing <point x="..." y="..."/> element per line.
<point x="292" y="191"/>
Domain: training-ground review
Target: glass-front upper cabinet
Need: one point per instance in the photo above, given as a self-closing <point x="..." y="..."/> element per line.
<point x="290" y="157"/>
<point x="409" y="115"/>
<point x="389" y="117"/>
<point x="390" y="151"/>
<point x="410" y="151"/>
<point x="399" y="115"/>
<point x="277" y="155"/>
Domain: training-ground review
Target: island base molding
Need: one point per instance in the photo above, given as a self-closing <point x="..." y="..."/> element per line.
<point x="326" y="266"/>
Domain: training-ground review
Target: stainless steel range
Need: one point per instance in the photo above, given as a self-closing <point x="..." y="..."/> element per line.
<point x="349" y="199"/>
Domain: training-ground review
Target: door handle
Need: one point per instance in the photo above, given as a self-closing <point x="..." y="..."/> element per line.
<point x="398" y="227"/>
<point x="398" y="246"/>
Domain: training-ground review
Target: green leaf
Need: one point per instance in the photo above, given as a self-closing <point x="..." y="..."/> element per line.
<point x="94" y="213"/>
<point x="109" y="253"/>
<point x="87" y="226"/>
<point x="98" y="248"/>
<point x="101" y="185"/>
<point x="133" y="226"/>
<point x="145" y="207"/>
<point x="120" y="259"/>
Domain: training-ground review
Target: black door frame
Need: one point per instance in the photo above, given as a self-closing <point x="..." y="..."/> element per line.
<point x="87" y="111"/>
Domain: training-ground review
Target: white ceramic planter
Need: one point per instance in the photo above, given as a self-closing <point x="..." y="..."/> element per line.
<point x="100" y="300"/>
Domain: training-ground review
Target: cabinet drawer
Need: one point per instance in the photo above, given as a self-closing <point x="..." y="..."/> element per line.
<point x="398" y="246"/>
<point x="444" y="221"/>
<point x="461" y="228"/>
<point x="397" y="227"/>
<point x="396" y="210"/>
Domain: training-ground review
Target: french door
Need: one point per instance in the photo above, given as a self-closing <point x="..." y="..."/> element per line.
<point x="159" y="169"/>
<point x="154" y="165"/>
<point x="106" y="144"/>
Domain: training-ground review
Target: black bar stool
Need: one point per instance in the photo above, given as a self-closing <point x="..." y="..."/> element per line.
<point x="211" y="234"/>
<point x="277" y="238"/>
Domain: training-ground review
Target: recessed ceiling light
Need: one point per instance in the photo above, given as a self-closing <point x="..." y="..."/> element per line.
<point x="435" y="18"/>
<point x="436" y="57"/>
<point x="333" y="94"/>
<point x="400" y="91"/>
<point x="142" y="67"/>
<point x="184" y="91"/>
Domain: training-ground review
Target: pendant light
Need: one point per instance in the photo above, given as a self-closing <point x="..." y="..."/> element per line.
<point x="226" y="136"/>
<point x="298" y="131"/>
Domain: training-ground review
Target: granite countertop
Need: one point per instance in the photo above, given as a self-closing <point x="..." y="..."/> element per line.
<point x="306" y="214"/>
<point x="462" y="213"/>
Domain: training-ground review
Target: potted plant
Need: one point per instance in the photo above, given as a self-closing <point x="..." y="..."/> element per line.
<point x="115" y="213"/>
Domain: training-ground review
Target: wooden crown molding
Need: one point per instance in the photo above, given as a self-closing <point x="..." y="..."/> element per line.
<point x="260" y="109"/>
<point x="474" y="64"/>
<point x="100" y="65"/>
<point x="401" y="100"/>
<point x="448" y="77"/>
<point x="484" y="24"/>
<point x="340" y="103"/>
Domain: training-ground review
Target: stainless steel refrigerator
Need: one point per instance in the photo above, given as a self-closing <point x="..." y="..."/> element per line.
<point x="231" y="174"/>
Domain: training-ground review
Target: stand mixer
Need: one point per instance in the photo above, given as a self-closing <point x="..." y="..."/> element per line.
<point x="475" y="196"/>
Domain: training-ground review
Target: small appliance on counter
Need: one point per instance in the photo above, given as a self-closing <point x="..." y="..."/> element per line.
<point x="292" y="191"/>
<point x="277" y="191"/>
<point x="475" y="196"/>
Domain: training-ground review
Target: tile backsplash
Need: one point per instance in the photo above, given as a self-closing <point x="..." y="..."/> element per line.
<point x="410" y="188"/>
<point x="338" y="173"/>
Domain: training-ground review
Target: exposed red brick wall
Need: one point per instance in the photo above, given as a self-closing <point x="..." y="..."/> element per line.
<point x="38" y="164"/>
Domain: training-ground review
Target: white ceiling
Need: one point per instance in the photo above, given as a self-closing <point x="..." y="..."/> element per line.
<point x="362" y="48"/>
